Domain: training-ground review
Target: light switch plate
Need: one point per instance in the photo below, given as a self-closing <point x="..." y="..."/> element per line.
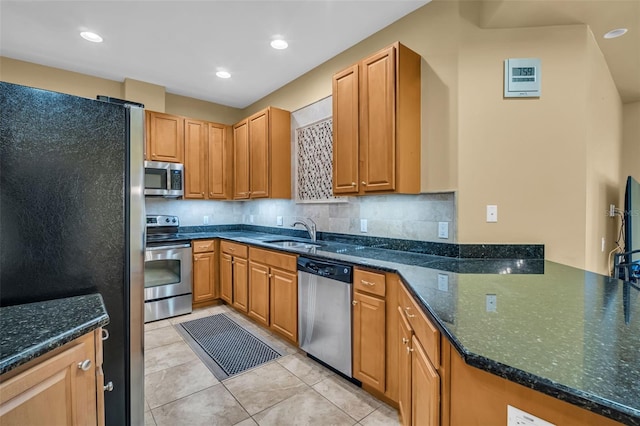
<point x="363" y="225"/>
<point x="517" y="417"/>
<point x="492" y="302"/>
<point x="443" y="229"/>
<point x="279" y="221"/>
<point x="205" y="220"/>
<point x="492" y="213"/>
<point x="443" y="282"/>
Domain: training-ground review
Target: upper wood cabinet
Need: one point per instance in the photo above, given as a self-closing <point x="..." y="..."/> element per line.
<point x="207" y="160"/>
<point x="376" y="124"/>
<point x="165" y="137"/>
<point x="262" y="155"/>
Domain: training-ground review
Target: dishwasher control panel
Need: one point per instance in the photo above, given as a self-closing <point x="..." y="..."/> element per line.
<point x="328" y="269"/>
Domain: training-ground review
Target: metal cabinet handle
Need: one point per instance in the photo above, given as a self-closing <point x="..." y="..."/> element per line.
<point x="364" y="183"/>
<point x="354" y="303"/>
<point x="353" y="184"/>
<point x="409" y="350"/>
<point x="108" y="387"/>
<point x="406" y="311"/>
<point x="202" y="194"/>
<point x="367" y="283"/>
<point x="85" y="365"/>
<point x="405" y="340"/>
<point x="105" y="334"/>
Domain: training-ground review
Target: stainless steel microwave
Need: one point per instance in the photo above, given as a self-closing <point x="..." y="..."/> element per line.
<point x="163" y="179"/>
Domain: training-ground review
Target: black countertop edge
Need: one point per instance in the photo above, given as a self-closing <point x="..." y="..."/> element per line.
<point x="466" y="251"/>
<point x="585" y="400"/>
<point x="40" y="345"/>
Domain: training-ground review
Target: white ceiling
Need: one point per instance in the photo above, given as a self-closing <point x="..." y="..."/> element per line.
<point x="181" y="44"/>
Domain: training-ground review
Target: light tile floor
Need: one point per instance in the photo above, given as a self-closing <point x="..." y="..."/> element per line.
<point x="291" y="390"/>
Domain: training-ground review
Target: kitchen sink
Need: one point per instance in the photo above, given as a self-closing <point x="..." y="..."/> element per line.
<point x="294" y="244"/>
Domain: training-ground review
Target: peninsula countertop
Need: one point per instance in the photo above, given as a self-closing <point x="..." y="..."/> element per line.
<point x="569" y="333"/>
<point x="33" y="329"/>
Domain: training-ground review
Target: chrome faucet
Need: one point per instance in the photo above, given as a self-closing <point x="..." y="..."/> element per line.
<point x="311" y="229"/>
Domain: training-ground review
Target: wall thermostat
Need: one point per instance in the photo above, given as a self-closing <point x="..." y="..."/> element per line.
<point x="522" y="78"/>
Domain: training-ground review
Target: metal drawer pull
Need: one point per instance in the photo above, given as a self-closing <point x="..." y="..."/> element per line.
<point x="105" y="334"/>
<point x="406" y="311"/>
<point x="353" y="184"/>
<point x="85" y="365"/>
<point x="409" y="350"/>
<point x="354" y="303"/>
<point x="367" y="283"/>
<point x="405" y="340"/>
<point x="108" y="387"/>
<point x="364" y="183"/>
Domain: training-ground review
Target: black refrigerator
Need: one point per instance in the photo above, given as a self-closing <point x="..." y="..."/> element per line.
<point x="72" y="220"/>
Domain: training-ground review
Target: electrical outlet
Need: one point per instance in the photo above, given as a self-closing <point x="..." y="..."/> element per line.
<point x="363" y="225"/>
<point x="443" y="282"/>
<point x="492" y="302"/>
<point x="279" y="221"/>
<point x="602" y="245"/>
<point x="251" y="218"/>
<point x="492" y="213"/>
<point x="443" y="229"/>
<point x="205" y="220"/>
<point x="517" y="417"/>
<point x="612" y="210"/>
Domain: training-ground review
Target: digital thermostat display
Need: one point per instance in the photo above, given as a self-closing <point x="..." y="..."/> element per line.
<point x="522" y="78"/>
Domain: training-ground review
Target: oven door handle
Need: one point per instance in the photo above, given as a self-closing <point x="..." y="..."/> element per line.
<point x="174" y="246"/>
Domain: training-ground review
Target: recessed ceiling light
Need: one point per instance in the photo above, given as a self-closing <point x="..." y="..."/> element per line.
<point x="223" y="74"/>
<point x="616" y="33"/>
<point x="279" y="44"/>
<point x="89" y="36"/>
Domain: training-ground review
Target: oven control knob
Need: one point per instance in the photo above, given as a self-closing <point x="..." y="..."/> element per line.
<point x="173" y="220"/>
<point x="167" y="220"/>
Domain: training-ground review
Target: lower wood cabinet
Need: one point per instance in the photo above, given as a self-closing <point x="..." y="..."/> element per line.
<point x="259" y="283"/>
<point x="205" y="274"/>
<point x="63" y="387"/>
<point x="273" y="291"/>
<point x="234" y="268"/>
<point x="418" y="348"/>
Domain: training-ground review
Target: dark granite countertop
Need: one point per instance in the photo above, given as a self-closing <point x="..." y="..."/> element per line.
<point x="572" y="334"/>
<point x="33" y="329"/>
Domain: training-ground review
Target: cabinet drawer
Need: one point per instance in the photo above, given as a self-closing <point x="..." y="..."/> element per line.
<point x="202" y="246"/>
<point x="369" y="282"/>
<point x="283" y="261"/>
<point x="424" y="330"/>
<point x="234" y="249"/>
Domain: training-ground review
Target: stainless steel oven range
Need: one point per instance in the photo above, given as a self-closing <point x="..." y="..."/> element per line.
<point x="167" y="270"/>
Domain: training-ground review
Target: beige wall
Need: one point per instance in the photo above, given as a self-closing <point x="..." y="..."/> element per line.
<point x="57" y="80"/>
<point x="631" y="144"/>
<point x="604" y="148"/>
<point x="201" y="110"/>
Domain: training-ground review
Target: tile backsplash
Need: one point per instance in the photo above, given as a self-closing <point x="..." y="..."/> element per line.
<point x="412" y="217"/>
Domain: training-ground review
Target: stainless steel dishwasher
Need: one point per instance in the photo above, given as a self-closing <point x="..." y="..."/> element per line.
<point x="324" y="312"/>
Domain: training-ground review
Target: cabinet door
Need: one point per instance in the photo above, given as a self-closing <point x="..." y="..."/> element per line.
<point x="218" y="167"/>
<point x="204" y="266"/>
<point x="284" y="303"/>
<point x="226" y="278"/>
<point x="195" y="159"/>
<point x="425" y="388"/>
<point x="345" y="131"/>
<point x="404" y="368"/>
<point x="259" y="154"/>
<point x="377" y="122"/>
<point x="369" y="340"/>
<point x="259" y="292"/>
<point x="240" y="287"/>
<point x="241" y="188"/>
<point x="166" y="137"/>
<point x="55" y="391"/>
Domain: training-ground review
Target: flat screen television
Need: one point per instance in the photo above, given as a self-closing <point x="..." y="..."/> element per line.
<point x="632" y="226"/>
